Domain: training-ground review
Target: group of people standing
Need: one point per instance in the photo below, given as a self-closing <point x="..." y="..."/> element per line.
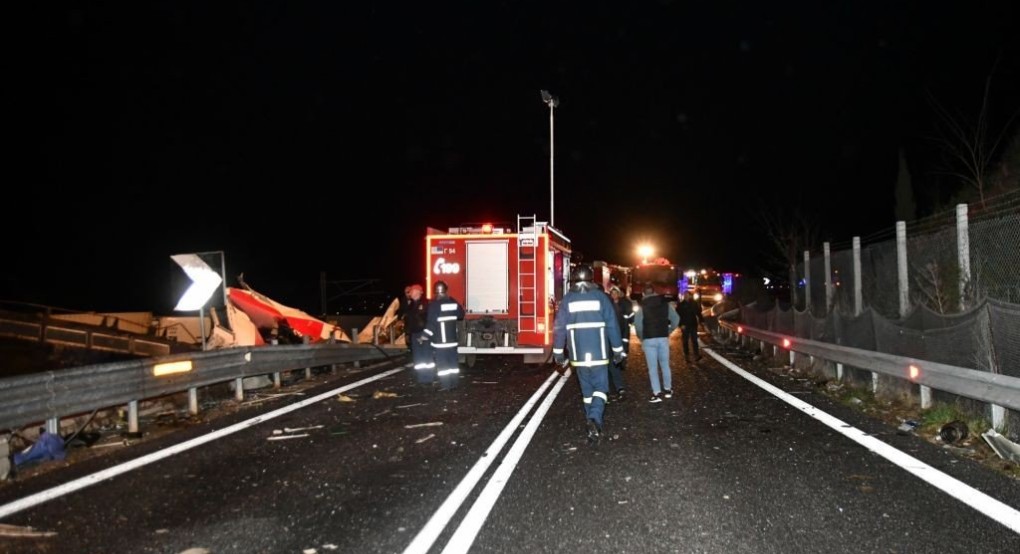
<point x="593" y="329"/>
<point x="431" y="331"/>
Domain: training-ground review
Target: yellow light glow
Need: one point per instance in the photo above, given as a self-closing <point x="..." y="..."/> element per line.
<point x="645" y="251"/>
<point x="169" y="368"/>
<point x="915" y="372"/>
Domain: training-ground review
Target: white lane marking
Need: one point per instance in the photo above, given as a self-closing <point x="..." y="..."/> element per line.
<point x="468" y="529"/>
<point x="999" y="511"/>
<point x="425" y="538"/>
<point x="82" y="482"/>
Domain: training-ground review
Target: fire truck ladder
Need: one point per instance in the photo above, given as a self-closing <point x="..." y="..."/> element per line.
<point x="527" y="274"/>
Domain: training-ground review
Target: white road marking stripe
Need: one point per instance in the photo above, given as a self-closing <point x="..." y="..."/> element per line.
<point x="468" y="529"/>
<point x="999" y="511"/>
<point x="425" y="538"/>
<point x="82" y="482"/>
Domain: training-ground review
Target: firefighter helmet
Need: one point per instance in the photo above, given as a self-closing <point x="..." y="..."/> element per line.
<point x="440" y="288"/>
<point x="582" y="273"/>
<point x="581" y="278"/>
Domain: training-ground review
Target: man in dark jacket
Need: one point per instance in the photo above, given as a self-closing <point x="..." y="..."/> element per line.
<point x="624" y="316"/>
<point x="414" y="332"/>
<point x="690" y="315"/>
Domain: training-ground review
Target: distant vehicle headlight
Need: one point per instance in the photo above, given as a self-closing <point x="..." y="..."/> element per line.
<point x="697" y="296"/>
<point x="718" y="297"/>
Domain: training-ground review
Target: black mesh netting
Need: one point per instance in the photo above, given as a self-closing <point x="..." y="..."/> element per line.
<point x="878" y="278"/>
<point x="843" y="280"/>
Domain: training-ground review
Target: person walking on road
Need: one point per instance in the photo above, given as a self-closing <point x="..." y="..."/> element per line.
<point x="624" y="316"/>
<point x="654" y="321"/>
<point x="689" y="312"/>
<point x="585" y="324"/>
<point x="441" y="330"/>
<point x="414" y="313"/>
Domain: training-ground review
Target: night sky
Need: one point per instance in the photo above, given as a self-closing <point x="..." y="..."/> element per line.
<point x="146" y="129"/>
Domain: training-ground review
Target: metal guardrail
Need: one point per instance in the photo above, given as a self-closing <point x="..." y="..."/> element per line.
<point x="997" y="389"/>
<point x="51" y="395"/>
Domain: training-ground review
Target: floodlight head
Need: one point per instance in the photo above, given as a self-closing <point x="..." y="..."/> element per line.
<point x="549" y="99"/>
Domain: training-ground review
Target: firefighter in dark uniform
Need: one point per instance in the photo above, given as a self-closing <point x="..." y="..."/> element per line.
<point x="585" y="324"/>
<point x="414" y="329"/>
<point x="441" y="319"/>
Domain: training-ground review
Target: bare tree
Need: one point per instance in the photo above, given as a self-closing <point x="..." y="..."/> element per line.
<point x="789" y="232"/>
<point x="970" y="145"/>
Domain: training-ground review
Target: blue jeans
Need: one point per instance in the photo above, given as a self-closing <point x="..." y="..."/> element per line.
<point x="657" y="355"/>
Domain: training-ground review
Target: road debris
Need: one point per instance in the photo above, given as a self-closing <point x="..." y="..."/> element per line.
<point x="20" y="531"/>
<point x="423" y="439"/>
<point x="344" y="398"/>
<point x="383" y="394"/>
<point x="296" y="429"/>
<point x="285" y="437"/>
<point x="430" y="424"/>
<point x="410" y="405"/>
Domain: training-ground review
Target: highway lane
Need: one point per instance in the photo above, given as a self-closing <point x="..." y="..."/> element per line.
<point x="724" y="466"/>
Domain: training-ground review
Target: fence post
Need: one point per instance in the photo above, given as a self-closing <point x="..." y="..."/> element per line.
<point x="807" y="281"/>
<point x="858" y="293"/>
<point x="305" y="340"/>
<point x="963" y="251"/>
<point x="828" y="277"/>
<point x="901" y="267"/>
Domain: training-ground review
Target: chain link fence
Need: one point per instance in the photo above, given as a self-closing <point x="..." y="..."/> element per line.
<point x="967" y="316"/>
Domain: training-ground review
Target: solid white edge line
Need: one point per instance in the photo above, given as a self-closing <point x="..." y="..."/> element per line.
<point x="995" y="509"/>
<point x="425" y="538"/>
<point x="466" y="532"/>
<point x="82" y="482"/>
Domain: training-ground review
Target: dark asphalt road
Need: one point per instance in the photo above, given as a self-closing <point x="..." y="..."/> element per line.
<point x="723" y="467"/>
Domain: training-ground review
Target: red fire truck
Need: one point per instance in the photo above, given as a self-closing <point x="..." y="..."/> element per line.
<point x="661" y="274"/>
<point x="510" y="282"/>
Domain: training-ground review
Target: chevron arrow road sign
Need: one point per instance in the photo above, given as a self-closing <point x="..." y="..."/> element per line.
<point x="204" y="279"/>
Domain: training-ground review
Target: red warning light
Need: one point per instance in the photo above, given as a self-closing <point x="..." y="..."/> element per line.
<point x="486" y="228"/>
<point x="740" y="329"/>
<point x="915" y="372"/>
<point x="786" y="344"/>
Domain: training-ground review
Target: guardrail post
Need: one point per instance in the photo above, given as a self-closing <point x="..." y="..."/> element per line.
<point x="839" y="371"/>
<point x="998" y="417"/>
<point x="858" y="292"/>
<point x="276" y="380"/>
<point x="53" y="425"/>
<point x="193" y="401"/>
<point x="807" y="281"/>
<point x="375" y="334"/>
<point x="828" y="277"/>
<point x="305" y="340"/>
<point x="239" y="389"/>
<point x="354" y="340"/>
<point x="133" y="417"/>
<point x="963" y="251"/>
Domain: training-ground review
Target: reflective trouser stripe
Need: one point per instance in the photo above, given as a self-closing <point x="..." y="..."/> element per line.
<point x="442" y="372"/>
<point x="589" y="363"/>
